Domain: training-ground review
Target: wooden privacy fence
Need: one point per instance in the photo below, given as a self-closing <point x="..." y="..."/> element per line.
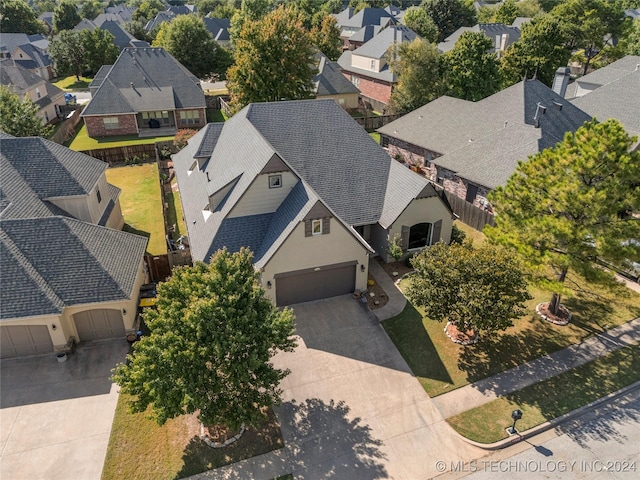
<point x="131" y="154"/>
<point x="159" y="266"/>
<point x="469" y="214"/>
<point x="67" y="128"/>
<point x="371" y="124"/>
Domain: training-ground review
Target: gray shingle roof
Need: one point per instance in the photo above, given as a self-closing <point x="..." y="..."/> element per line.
<point x="337" y="162"/>
<point x="159" y="81"/>
<point x="10" y="41"/>
<point x="378" y="45"/>
<point x="53" y="262"/>
<point x="611" y="72"/>
<point x="35" y="169"/>
<point x="447" y="123"/>
<point x="491" y="30"/>
<point x="365" y="34"/>
<point x="218" y="28"/>
<point x="158" y="20"/>
<point x="329" y="80"/>
<point x="385" y="74"/>
<point x="619" y="99"/>
<point x="366" y="16"/>
<point x="343" y="16"/>
<point x="21" y="80"/>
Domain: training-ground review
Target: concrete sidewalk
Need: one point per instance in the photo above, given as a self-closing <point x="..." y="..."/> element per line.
<point x="484" y="391"/>
<point x="396" y="302"/>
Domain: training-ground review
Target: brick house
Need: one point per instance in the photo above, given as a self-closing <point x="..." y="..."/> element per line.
<point x="146" y="92"/>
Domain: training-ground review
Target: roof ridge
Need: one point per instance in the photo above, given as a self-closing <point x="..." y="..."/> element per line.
<point x="30" y="270"/>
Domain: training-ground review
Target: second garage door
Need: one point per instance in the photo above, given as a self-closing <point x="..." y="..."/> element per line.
<point x="313" y="284"/>
<point x="99" y="324"/>
<point x="24" y="340"/>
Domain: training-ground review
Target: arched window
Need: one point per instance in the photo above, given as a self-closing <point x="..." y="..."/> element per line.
<point x="419" y="235"/>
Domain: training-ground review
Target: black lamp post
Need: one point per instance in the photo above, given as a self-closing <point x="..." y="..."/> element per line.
<point x="516" y="415"/>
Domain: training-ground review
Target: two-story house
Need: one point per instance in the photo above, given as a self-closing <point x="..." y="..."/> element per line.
<point x="68" y="272"/>
<point x="28" y="51"/>
<point x="309" y="192"/>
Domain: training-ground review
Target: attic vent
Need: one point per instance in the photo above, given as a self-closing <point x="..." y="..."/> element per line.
<point x="558" y="105"/>
<point x="637" y="67"/>
<point x="540" y="109"/>
<point x="208" y="179"/>
<point x="131" y="83"/>
<point x="505" y="124"/>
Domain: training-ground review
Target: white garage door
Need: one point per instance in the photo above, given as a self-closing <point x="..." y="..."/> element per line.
<point x="99" y="324"/>
<point x="21" y="340"/>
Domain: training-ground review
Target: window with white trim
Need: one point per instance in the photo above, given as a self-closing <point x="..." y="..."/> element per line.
<point x="111" y="123"/>
<point x="189" y="117"/>
<point x="355" y="80"/>
<point x="316" y="227"/>
<point x="275" y="181"/>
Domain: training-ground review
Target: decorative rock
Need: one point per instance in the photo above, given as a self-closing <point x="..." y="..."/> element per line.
<point x="395" y="274"/>
<point x="376" y="302"/>
<point x="553" y="320"/>
<point x="372" y="294"/>
<point x="226" y="443"/>
<point x="457" y="340"/>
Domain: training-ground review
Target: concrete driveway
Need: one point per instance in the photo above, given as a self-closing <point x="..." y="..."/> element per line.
<point x="351" y="406"/>
<point x="55" y="418"/>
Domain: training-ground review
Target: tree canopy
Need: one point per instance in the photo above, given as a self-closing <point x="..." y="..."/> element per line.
<point x="480" y="288"/>
<point x="186" y="37"/>
<point x="74" y="52"/>
<point x="99" y="48"/>
<point x="449" y="15"/>
<point x="212" y="335"/>
<point x="274" y="58"/>
<point x="507" y="12"/>
<point x="16" y="16"/>
<point x="91" y="9"/>
<point x="19" y="118"/>
<point x="147" y="10"/>
<point x="65" y="16"/>
<point x="418" y="66"/>
<point x="569" y="205"/>
<point x="471" y="67"/>
<point x="418" y="20"/>
<point x="327" y="37"/>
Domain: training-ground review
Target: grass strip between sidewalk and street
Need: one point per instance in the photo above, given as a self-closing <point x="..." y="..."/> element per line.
<point x="551" y="398"/>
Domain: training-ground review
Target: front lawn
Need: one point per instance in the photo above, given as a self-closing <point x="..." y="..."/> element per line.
<point x="82" y="142"/>
<point x="140" y="202"/>
<point x="72" y="84"/>
<point x="441" y="365"/>
<point x="551" y="398"/>
<point x="139" y="448"/>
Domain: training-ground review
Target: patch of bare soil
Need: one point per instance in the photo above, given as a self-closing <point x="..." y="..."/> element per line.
<point x="463" y="338"/>
<point x="561" y="318"/>
<point x="398" y="267"/>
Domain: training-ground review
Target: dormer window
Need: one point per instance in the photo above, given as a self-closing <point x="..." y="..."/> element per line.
<point x="275" y="181"/>
<point x="316" y="227"/>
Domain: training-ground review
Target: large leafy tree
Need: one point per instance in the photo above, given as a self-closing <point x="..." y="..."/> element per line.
<point x="507" y="12"/>
<point x="567" y="206"/>
<point x="418" y="20"/>
<point x="68" y="53"/>
<point x="91" y="9"/>
<point x="147" y="10"/>
<point x="475" y="288"/>
<point x="540" y="51"/>
<point x="632" y="41"/>
<point x="211" y="339"/>
<point x="327" y="37"/>
<point x="65" y="16"/>
<point x="19" y="118"/>
<point x="471" y="68"/>
<point x="588" y="25"/>
<point x="449" y="15"/>
<point x="189" y="41"/>
<point x="250" y="10"/>
<point x="99" y="48"/>
<point x="273" y="60"/>
<point x="418" y="65"/>
<point x="16" y="16"/>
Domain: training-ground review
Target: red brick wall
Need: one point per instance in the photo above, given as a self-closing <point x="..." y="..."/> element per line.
<point x="369" y="87"/>
<point x="202" y="115"/>
<point x="95" y="126"/>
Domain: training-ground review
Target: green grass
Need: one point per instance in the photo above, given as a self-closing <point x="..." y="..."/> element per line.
<point x="175" y="215"/>
<point x="216" y="115"/>
<point x="140" y="202"/>
<point x="569" y="391"/>
<point x="471" y="233"/>
<point x="82" y="142"/>
<point x="375" y="136"/>
<point x="139" y="448"/>
<point x="71" y="84"/>
<point x="441" y="365"/>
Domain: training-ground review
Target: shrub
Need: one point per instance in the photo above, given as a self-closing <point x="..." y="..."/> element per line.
<point x="457" y="235"/>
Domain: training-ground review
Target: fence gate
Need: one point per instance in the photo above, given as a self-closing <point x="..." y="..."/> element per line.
<point x="159" y="268"/>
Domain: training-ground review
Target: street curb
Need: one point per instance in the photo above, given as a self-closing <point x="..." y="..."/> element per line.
<point x="551" y="423"/>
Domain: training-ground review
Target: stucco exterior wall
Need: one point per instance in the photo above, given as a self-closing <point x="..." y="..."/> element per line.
<point x="116" y="219"/>
<point x="95" y="126"/>
<point x="86" y="207"/>
<point x="366" y="63"/>
<point x="259" y="198"/>
<point x="346" y="101"/>
<point x="299" y="252"/>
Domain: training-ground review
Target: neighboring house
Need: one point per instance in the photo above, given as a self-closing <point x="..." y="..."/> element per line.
<point x="25" y="83"/>
<point x="519" y="21"/>
<point x="330" y="83"/>
<point x="108" y="22"/>
<point x="349" y="23"/>
<point x="469" y="148"/>
<point x="145" y="92"/>
<point x="632" y="13"/>
<point x="159" y="19"/>
<point x="182" y="9"/>
<point x="611" y="92"/>
<point x="28" y="51"/>
<point x="367" y="68"/>
<point x="124" y="12"/>
<point x="502" y="36"/>
<point x="309" y="192"/>
<point x="47" y="18"/>
<point x="67" y="271"/>
<point x="219" y="29"/>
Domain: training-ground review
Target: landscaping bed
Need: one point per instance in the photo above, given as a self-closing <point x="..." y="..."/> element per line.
<point x="140" y="201"/>
<point x="571" y="390"/>
<point x="139" y="448"/>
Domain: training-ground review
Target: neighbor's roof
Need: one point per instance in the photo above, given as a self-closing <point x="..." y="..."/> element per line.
<point x="337" y="162"/>
<point x="329" y="80"/>
<point x="608" y="74"/>
<point x="218" y="28"/>
<point x="22" y="80"/>
<point x="50" y="263"/>
<point x="365" y="34"/>
<point x="378" y="45"/>
<point x="10" y="41"/>
<point x="491" y="30"/>
<point x="366" y="16"/>
<point x="158" y="20"/>
<point x="35" y="169"/>
<point x="145" y="79"/>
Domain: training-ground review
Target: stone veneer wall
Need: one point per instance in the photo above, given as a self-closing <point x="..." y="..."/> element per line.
<point x="95" y="126"/>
